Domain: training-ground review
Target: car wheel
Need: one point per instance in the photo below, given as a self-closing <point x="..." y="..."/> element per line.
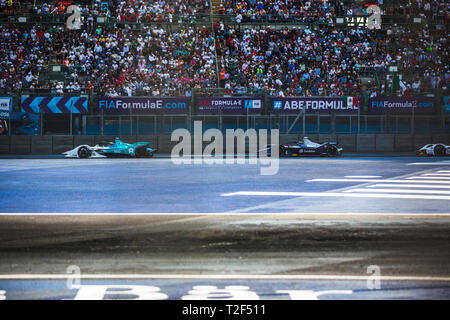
<point x="332" y="151"/>
<point x="282" y="152"/>
<point x="83" y="153"/>
<point x="439" y="150"/>
<point x="140" y="152"/>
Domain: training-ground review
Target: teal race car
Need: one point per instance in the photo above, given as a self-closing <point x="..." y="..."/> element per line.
<point x="115" y="149"/>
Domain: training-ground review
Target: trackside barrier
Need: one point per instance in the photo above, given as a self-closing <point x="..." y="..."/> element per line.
<point x="20" y="144"/>
<point x="79" y="140"/>
<point x="62" y="143"/>
<point x="347" y="141"/>
<point x="384" y="143"/>
<point x="41" y="144"/>
<point x="312" y="137"/>
<point x="403" y="142"/>
<point x="365" y="143"/>
<point x="4" y="144"/>
<point x="350" y="142"/>
<point x="164" y="144"/>
<point x="440" y="138"/>
<point x="327" y="137"/>
<point x="286" y="138"/>
<point x="421" y="140"/>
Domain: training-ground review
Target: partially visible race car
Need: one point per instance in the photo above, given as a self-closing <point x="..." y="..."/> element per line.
<point x="306" y="147"/>
<point x="118" y="148"/>
<point x="437" y="149"/>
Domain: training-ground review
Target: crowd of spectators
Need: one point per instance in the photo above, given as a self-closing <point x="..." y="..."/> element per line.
<point x="293" y="61"/>
<point x="327" y="61"/>
<point x="243" y="10"/>
<point x="279" y="10"/>
<point x="298" y="60"/>
<point x="113" y="61"/>
<point x="23" y="54"/>
<point x="121" y="10"/>
<point x="162" y="10"/>
<point x="9" y="7"/>
<point x="421" y="56"/>
<point x="323" y="11"/>
<point x="428" y="9"/>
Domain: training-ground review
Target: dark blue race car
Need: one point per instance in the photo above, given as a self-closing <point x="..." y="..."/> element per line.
<point x="307" y="148"/>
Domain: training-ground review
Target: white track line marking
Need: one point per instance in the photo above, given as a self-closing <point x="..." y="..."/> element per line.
<point x="444" y="171"/>
<point x="443" y="163"/>
<point x="398" y="215"/>
<point x="363" y="177"/>
<point x="215" y="277"/>
<point x="335" y="194"/>
<point x="407" y="186"/>
<point x="378" y="180"/>
<point x="431" y="178"/>
<point x="437" y="174"/>
<point x="399" y="191"/>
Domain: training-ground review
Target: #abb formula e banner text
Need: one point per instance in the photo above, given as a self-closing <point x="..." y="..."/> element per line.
<point x="402" y="105"/>
<point x="229" y="105"/>
<point x="315" y="104"/>
<point x="55" y="104"/>
<point x="5" y="107"/>
<point x="142" y="105"/>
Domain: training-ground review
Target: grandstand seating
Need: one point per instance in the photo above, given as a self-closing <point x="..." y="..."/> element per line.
<point x="170" y="47"/>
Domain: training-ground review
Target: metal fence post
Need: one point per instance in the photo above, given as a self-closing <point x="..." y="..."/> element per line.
<point x="359" y="121"/>
<point x="102" y="119"/>
<point x="41" y="116"/>
<point x="304" y="122"/>
<point x="71" y="116"/>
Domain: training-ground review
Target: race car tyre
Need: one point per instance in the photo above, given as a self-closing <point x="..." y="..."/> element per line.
<point x="439" y="150"/>
<point x="83" y="153"/>
<point x="140" y="152"/>
<point x="332" y="151"/>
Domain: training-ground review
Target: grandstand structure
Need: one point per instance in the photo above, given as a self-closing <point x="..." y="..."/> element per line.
<point x="261" y="50"/>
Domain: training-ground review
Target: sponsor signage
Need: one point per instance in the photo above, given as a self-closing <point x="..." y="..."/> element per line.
<point x="142" y="105"/>
<point x="54" y="104"/>
<point x="229" y="105"/>
<point x="447" y="103"/>
<point x="402" y="105"/>
<point x="315" y="104"/>
<point x="24" y="123"/>
<point x="5" y="108"/>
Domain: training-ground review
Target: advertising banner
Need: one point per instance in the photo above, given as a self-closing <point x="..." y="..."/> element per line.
<point x="5" y="108"/>
<point x="402" y="105"/>
<point x="55" y="104"/>
<point x="24" y="123"/>
<point x="240" y="105"/>
<point x="315" y="104"/>
<point x="447" y="103"/>
<point x="142" y="105"/>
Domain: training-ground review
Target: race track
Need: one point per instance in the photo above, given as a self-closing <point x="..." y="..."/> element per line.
<point x="319" y="185"/>
<point x="315" y="227"/>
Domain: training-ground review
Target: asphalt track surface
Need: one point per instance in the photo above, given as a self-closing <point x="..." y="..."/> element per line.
<point x="160" y="186"/>
<point x="166" y="231"/>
